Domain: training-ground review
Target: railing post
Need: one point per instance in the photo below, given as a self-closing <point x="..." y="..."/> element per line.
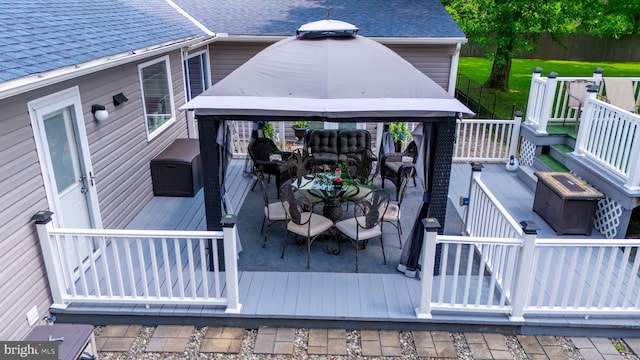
<point x="547" y="102"/>
<point x="532" y="93"/>
<point x="231" y="263"/>
<point x="524" y="271"/>
<point x="586" y="121"/>
<point x="54" y="272"/>
<point x="597" y="75"/>
<point x="476" y="170"/>
<point x="515" y="134"/>
<point x="431" y="226"/>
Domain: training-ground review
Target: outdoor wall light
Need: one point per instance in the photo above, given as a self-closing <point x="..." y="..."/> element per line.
<point x="119" y="99"/>
<point x="100" y="112"/>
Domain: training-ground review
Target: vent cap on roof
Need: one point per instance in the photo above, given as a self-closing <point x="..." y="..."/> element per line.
<point x="326" y="28"/>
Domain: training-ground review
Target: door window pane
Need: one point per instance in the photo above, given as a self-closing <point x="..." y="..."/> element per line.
<point x="197" y="80"/>
<point x="60" y="150"/>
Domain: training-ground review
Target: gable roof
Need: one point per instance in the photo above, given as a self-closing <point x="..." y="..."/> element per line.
<point x="374" y="18"/>
<point x="42" y="35"/>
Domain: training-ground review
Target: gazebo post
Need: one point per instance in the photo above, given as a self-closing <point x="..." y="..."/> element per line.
<point x="210" y="153"/>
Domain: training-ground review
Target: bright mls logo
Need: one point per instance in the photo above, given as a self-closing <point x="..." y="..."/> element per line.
<point x="32" y="350"/>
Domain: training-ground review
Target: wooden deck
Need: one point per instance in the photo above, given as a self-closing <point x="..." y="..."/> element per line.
<point x="350" y="299"/>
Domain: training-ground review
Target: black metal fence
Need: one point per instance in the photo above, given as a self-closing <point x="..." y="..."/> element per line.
<point x="486" y="103"/>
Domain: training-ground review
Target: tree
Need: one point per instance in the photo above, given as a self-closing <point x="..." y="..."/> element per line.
<point x="509" y="27"/>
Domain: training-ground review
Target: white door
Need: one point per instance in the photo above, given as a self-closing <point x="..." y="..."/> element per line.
<point x="63" y="152"/>
<point x="67" y="173"/>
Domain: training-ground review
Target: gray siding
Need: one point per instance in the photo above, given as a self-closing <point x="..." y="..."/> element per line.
<point x="22" y="278"/>
<point x="227" y="56"/>
<point x="432" y="60"/>
<point x="120" y="155"/>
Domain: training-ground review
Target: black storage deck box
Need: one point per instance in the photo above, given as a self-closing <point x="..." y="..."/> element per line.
<point x="565" y="202"/>
<point x="176" y="171"/>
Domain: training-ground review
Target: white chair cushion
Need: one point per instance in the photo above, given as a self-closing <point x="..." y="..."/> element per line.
<point x="319" y="224"/>
<point x="276" y="211"/>
<point x="392" y="213"/>
<point x="349" y="227"/>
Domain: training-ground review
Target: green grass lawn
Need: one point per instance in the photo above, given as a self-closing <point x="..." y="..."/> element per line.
<point x="478" y="69"/>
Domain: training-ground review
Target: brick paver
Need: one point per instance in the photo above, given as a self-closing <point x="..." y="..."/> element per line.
<point x="117" y="338"/>
<point x="434" y="344"/>
<point x="333" y="342"/>
<point x="274" y="341"/>
<point x="222" y="340"/>
<point x="327" y="342"/>
<point x="170" y="338"/>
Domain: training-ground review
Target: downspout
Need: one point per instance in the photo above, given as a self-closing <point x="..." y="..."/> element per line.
<point x="453" y="73"/>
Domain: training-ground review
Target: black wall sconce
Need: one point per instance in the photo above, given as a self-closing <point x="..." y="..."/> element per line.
<point x="99" y="112"/>
<point x="119" y="99"/>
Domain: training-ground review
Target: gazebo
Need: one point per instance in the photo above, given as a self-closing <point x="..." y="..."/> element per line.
<point x="329" y="73"/>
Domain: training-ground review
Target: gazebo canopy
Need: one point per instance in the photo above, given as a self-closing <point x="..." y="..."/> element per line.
<point x="327" y="71"/>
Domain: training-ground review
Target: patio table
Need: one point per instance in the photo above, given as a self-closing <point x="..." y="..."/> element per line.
<point x="321" y="190"/>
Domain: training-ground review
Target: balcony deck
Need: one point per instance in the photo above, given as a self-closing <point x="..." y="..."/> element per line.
<point x="323" y="298"/>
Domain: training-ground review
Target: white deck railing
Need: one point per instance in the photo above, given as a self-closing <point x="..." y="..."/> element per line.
<point x="486" y="140"/>
<point x="513" y="272"/>
<point x="609" y="136"/>
<point x="593" y="276"/>
<point x="549" y="101"/>
<point x="141" y="267"/>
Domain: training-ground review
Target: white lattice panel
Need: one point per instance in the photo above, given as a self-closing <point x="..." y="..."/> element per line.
<point x="527" y="152"/>
<point x="607" y="218"/>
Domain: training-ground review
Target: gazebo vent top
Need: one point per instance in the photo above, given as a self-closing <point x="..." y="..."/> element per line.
<point x="326" y="28"/>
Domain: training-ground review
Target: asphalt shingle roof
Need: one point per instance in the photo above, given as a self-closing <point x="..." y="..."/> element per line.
<point x="43" y="35"/>
<point x="375" y="18"/>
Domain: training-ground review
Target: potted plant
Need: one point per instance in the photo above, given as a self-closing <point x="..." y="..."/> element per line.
<point x="267" y="130"/>
<point x="400" y="133"/>
<point x="300" y="129"/>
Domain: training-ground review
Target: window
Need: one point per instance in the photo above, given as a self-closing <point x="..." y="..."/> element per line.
<point x="155" y="79"/>
<point x="196" y="74"/>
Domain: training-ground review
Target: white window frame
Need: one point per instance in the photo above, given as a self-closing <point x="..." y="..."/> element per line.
<point x="166" y="124"/>
<point x="207" y="72"/>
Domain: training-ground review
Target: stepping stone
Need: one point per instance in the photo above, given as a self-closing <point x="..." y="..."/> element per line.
<point x="222" y="340"/>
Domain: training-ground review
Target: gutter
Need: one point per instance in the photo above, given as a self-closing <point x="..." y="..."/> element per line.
<point x="382" y="40"/>
<point x="39" y="80"/>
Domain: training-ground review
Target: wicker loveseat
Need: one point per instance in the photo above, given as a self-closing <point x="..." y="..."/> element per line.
<point x="330" y="146"/>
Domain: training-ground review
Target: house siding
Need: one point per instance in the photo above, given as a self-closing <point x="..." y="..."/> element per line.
<point x="227" y="56"/>
<point x="120" y="155"/>
<point x="432" y="60"/>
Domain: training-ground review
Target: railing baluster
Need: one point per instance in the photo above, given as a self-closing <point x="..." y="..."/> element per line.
<point x="142" y="269"/>
<point x="167" y="271"/>
<point x="154" y="267"/>
<point x="203" y="268"/>
<point x="116" y="259"/>
<point x="595" y="277"/>
<point x="129" y="264"/>
<point x="105" y="265"/>
<point x="192" y="270"/>
<point x="177" y="253"/>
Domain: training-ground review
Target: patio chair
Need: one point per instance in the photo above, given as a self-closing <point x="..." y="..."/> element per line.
<point x="261" y="150"/>
<point x="302" y="223"/>
<point x="273" y="211"/>
<point x="392" y="213"/>
<point x="619" y="92"/>
<point x="577" y="93"/>
<point x="362" y="166"/>
<point x="395" y="166"/>
<point x="301" y="167"/>
<point x="366" y="223"/>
